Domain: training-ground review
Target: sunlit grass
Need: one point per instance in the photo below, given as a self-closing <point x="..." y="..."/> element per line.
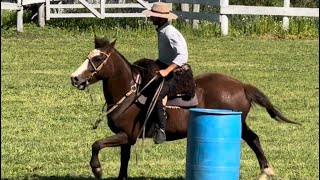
<point x="46" y="123"/>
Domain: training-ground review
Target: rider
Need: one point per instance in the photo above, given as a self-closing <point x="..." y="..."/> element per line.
<point x="173" y="53"/>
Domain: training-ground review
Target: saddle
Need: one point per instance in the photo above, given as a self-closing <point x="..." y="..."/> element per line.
<point x="179" y="101"/>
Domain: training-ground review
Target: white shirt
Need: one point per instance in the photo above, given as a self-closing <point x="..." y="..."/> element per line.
<point x="172" y="46"/>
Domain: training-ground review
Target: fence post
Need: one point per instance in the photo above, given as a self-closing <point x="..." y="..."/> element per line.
<point x="102" y="9"/>
<point x="185" y="7"/>
<point x="47" y="9"/>
<point x="285" y="20"/>
<point x="224" y="18"/>
<point x="20" y="17"/>
<point x="41" y="15"/>
<point x="195" y="22"/>
<point x="170" y="8"/>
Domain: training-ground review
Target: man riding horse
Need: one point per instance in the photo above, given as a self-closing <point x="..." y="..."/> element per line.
<point x="173" y="55"/>
<point x="126" y="116"/>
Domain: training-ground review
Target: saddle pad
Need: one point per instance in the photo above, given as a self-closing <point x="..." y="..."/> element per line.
<point x="178" y="101"/>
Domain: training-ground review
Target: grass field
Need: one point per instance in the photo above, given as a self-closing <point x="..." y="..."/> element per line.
<point x="46" y="123"/>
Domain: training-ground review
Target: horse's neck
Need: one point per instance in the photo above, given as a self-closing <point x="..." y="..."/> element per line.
<point x="120" y="81"/>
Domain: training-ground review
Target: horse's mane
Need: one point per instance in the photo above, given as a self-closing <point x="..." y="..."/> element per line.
<point x="147" y="69"/>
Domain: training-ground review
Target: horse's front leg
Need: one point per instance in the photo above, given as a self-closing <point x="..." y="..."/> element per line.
<point x="125" y="157"/>
<point x="112" y="141"/>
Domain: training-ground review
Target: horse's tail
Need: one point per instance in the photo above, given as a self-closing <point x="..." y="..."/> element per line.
<point x="254" y="95"/>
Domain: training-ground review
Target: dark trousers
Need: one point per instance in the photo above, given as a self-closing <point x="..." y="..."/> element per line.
<point x="159" y="108"/>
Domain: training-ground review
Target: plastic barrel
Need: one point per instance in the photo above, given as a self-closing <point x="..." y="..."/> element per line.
<point x="213" y="144"/>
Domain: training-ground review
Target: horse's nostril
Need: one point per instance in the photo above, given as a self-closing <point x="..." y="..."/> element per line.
<point x="75" y="79"/>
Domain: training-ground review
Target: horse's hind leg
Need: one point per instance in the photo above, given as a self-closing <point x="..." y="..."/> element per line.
<point x="252" y="140"/>
<point x="125" y="156"/>
<point x="112" y="141"/>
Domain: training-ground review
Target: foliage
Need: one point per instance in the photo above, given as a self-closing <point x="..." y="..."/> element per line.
<point x="9" y="18"/>
<point x="263" y="25"/>
<point x="46" y="123"/>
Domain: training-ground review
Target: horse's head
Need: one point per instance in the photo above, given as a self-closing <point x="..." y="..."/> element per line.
<point x="95" y="66"/>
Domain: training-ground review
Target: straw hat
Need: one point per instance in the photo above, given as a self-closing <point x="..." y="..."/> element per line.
<point x="160" y="9"/>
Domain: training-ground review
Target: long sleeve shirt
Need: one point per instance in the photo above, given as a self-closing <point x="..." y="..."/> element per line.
<point x="172" y="46"/>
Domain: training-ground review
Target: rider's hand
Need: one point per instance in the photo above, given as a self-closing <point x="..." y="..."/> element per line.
<point x="164" y="72"/>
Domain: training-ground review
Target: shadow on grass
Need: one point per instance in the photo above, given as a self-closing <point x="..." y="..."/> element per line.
<point x="37" y="177"/>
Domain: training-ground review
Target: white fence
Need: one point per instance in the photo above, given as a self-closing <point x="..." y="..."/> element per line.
<point x="93" y="12"/>
<point x="18" y="7"/>
<point x="227" y="9"/>
<point x="221" y="16"/>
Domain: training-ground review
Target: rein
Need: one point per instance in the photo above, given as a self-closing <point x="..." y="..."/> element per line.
<point x="152" y="104"/>
<point x="132" y="90"/>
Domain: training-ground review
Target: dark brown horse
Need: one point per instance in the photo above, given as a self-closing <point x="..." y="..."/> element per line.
<point x="215" y="91"/>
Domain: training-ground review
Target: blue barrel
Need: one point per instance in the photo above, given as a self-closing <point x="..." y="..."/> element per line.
<point x="213" y="144"/>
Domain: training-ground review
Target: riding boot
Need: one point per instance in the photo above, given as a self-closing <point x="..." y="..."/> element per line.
<point x="159" y="135"/>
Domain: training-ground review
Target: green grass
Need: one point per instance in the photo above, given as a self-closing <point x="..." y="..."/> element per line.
<point x="46" y="123"/>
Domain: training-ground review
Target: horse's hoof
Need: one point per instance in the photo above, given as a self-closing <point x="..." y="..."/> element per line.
<point x="97" y="172"/>
<point x="266" y="174"/>
<point x="263" y="176"/>
<point x="268" y="171"/>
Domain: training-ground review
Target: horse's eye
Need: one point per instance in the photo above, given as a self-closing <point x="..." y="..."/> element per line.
<point x="97" y="58"/>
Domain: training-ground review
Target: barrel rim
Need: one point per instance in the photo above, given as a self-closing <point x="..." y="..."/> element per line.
<point x="215" y="111"/>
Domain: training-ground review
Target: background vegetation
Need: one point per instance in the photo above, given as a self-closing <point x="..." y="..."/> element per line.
<point x="240" y="25"/>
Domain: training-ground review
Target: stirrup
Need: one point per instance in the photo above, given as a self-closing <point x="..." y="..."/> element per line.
<point x="159" y="135"/>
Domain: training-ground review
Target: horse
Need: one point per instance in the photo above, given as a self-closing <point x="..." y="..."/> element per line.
<point x="126" y="116"/>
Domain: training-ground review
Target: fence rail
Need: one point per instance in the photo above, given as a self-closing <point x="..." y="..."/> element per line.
<point x="202" y="2"/>
<point x="272" y="11"/>
<point x="93" y="12"/>
<point x="225" y="9"/>
<point x="10" y="6"/>
<point x="90" y="15"/>
<point x="215" y="17"/>
<point x="27" y="2"/>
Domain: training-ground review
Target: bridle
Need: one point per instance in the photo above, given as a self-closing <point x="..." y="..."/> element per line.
<point x="97" y="69"/>
<point x="133" y="88"/>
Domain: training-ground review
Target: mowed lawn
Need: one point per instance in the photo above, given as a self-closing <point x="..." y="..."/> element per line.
<point x="46" y="123"/>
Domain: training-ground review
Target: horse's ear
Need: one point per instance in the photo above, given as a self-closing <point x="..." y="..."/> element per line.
<point x="96" y="40"/>
<point x="113" y="43"/>
<point x="100" y="42"/>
